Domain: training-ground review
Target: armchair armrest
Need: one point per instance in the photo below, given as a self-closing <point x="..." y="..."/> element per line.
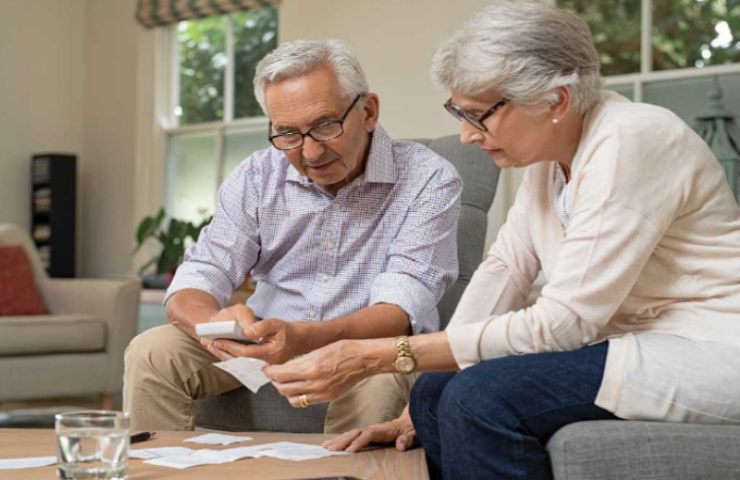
<point x="116" y="302"/>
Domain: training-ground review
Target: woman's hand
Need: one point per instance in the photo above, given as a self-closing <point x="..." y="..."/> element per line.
<point x="401" y="431"/>
<point x="328" y="372"/>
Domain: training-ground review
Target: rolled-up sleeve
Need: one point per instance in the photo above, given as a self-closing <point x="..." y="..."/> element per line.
<point x="229" y="246"/>
<point x="422" y="259"/>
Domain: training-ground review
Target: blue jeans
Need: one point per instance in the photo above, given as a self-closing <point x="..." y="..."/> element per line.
<point x="493" y="420"/>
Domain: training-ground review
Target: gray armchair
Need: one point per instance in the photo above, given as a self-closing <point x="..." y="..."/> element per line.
<point x="75" y="350"/>
<point x="239" y="410"/>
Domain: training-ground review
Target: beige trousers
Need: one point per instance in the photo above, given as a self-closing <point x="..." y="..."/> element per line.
<point x="167" y="371"/>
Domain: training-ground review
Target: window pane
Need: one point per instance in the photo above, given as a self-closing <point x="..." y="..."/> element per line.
<point x="624" y="90"/>
<point x="255" y="35"/>
<point x="615" y="25"/>
<point x="695" y="33"/>
<point x="238" y="146"/>
<point x="688" y="97"/>
<point x="191" y="182"/>
<point x="202" y="62"/>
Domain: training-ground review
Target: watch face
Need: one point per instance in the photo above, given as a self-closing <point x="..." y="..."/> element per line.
<point x="405" y="364"/>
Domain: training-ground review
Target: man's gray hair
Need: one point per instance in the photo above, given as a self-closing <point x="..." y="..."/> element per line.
<point x="300" y="57"/>
<point x="522" y="50"/>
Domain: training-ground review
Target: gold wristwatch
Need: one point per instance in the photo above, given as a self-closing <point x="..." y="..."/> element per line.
<point x="405" y="362"/>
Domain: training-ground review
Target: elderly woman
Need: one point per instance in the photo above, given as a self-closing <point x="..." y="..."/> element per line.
<point x="627" y="214"/>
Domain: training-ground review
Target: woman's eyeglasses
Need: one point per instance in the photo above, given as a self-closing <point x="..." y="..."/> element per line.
<point x="474" y="120"/>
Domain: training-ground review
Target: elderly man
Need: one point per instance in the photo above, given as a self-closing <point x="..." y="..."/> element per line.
<point x="349" y="234"/>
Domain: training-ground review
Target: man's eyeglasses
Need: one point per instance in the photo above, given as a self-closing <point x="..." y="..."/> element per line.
<point x="321" y="133"/>
<point x="476" y="121"/>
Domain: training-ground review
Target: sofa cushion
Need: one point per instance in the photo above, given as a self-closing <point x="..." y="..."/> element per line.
<point x="18" y="293"/>
<point x="266" y="410"/>
<point x="618" y="450"/>
<point x="46" y="334"/>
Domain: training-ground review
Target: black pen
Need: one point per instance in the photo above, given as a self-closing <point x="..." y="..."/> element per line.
<point x="141" y="437"/>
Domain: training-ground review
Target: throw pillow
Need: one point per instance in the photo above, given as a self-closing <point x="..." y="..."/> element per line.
<point x="18" y="293"/>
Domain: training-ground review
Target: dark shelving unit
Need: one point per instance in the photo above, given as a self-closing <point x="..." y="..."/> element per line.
<point x="54" y="211"/>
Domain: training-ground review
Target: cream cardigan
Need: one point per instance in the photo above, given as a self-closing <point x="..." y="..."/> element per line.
<point x="650" y="261"/>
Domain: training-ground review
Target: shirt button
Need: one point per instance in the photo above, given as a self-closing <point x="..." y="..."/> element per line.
<point x="311" y="314"/>
<point x="329" y="245"/>
<point x="323" y="278"/>
<point x="336" y="206"/>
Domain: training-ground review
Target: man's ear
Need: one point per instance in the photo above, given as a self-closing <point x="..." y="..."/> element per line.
<point x="371" y="111"/>
<point x="562" y="106"/>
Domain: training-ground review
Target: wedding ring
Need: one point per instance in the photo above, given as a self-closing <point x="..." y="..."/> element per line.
<point x="303" y="401"/>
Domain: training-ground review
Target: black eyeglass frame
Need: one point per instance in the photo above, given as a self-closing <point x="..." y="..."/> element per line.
<point x="477" y="122"/>
<point x="308" y="133"/>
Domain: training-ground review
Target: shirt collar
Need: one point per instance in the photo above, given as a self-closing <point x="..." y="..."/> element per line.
<point x="380" y="167"/>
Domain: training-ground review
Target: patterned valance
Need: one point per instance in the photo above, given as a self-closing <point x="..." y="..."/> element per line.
<point x="154" y="13"/>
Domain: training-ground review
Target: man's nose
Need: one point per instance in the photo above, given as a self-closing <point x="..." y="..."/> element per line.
<point x="312" y="150"/>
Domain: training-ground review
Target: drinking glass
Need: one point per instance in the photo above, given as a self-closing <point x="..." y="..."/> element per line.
<point x="92" y="444"/>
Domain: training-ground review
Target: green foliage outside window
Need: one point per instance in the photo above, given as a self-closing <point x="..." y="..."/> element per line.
<point x="202" y="63"/>
<point x="686" y="33"/>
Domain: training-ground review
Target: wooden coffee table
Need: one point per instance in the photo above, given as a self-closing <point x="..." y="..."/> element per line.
<point x="381" y="463"/>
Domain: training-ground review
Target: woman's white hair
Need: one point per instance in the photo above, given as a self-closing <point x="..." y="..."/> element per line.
<point x="297" y="58"/>
<point x="523" y="50"/>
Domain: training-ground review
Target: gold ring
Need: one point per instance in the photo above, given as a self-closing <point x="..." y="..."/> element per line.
<point x="303" y="401"/>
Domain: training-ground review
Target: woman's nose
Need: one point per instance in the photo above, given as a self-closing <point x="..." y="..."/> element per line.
<point x="469" y="134"/>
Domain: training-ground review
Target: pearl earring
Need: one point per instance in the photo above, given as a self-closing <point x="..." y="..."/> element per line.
<point x="555" y="121"/>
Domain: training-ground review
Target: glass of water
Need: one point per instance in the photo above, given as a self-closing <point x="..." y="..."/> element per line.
<point x="92" y="444"/>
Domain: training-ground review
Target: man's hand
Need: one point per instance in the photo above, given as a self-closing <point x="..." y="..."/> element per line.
<point x="242" y="314"/>
<point x="327" y="373"/>
<point x="400" y="431"/>
<point x="277" y="341"/>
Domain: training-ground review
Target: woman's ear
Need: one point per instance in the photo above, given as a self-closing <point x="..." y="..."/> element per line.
<point x="562" y="106"/>
<point x="371" y="111"/>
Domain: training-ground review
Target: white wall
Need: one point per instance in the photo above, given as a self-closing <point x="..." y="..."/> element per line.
<point x="41" y="92"/>
<point x="68" y="83"/>
<point x="109" y="136"/>
<point x="395" y="41"/>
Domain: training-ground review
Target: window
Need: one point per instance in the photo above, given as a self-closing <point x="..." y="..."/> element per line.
<point x="651" y="35"/>
<point x="213" y="121"/>
<point x="667" y="52"/>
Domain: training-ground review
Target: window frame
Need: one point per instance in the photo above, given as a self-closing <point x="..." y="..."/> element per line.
<point x="169" y="122"/>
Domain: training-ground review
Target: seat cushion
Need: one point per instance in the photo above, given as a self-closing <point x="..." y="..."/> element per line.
<point x="242" y="411"/>
<point x="618" y="450"/>
<point x="18" y="293"/>
<point x="46" y="334"/>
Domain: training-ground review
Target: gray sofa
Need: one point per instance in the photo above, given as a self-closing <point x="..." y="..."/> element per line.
<point x="632" y="450"/>
<point x="239" y="410"/>
<point x="75" y="350"/>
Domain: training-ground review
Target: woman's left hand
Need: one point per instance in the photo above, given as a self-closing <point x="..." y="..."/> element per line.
<point x="324" y="374"/>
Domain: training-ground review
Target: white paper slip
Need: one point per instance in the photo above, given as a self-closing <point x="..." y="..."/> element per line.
<point x="159" y="452"/>
<point x="297" y="451"/>
<point x="247" y="370"/>
<point x="28" y="462"/>
<point x="199" y="457"/>
<point x="281" y="450"/>
<point x="218" y="439"/>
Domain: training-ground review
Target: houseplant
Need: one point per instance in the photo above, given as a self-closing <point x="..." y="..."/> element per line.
<point x="174" y="237"/>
